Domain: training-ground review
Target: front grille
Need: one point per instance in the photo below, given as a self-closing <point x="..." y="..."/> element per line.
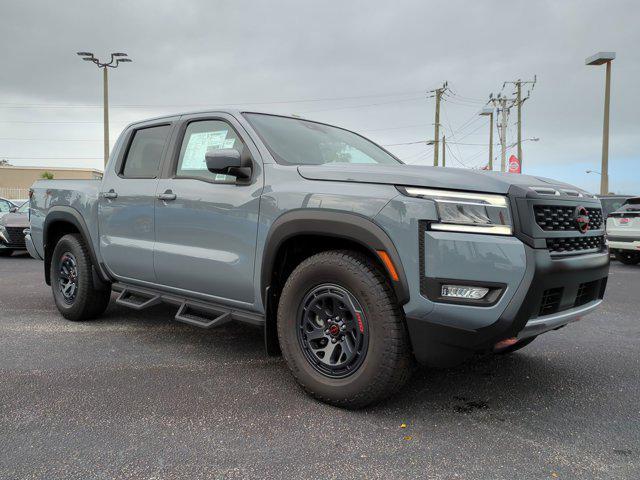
<point x="553" y="218"/>
<point x="587" y="292"/>
<point x="16" y="237"/>
<point x="575" y="244"/>
<point x="550" y="302"/>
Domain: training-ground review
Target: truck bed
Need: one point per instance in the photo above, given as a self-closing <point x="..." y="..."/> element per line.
<point x="81" y="195"/>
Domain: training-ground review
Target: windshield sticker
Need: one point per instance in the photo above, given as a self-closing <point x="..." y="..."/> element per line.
<point x="199" y="144"/>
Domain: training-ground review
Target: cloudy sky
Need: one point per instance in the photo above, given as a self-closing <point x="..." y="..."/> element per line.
<point x="365" y="65"/>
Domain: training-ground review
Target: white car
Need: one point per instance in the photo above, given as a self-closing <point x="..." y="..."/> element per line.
<point x="623" y="232"/>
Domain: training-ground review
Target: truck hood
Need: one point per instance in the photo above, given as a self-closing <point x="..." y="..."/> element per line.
<point x="432" y="177"/>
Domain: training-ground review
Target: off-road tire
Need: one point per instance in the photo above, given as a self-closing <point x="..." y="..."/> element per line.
<point x="90" y="300"/>
<point x="628" y="258"/>
<point x="517" y="346"/>
<point x="388" y="361"/>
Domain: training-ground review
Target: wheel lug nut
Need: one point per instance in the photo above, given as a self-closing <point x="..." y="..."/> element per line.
<point x="333" y="340"/>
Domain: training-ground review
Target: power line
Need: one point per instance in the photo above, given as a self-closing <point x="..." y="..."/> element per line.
<point x="363" y="105"/>
<point x="11" y="157"/>
<point x="210" y="104"/>
<point x="47" y="122"/>
<point x="49" y="139"/>
<point x="397" y="128"/>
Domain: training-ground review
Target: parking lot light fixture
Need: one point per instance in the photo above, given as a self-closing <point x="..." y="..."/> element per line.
<point x="115" y="60"/>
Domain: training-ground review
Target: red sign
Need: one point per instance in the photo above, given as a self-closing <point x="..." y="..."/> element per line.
<point x="514" y="164"/>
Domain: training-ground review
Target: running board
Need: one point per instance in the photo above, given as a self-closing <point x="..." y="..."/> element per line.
<point x="192" y="311"/>
<point x="136" y="299"/>
<point x="202" y="316"/>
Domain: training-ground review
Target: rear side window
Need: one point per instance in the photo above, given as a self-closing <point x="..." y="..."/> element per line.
<point x="145" y="152"/>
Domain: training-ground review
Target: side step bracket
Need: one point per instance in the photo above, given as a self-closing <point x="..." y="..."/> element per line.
<point x="137" y="300"/>
<point x="201" y="316"/>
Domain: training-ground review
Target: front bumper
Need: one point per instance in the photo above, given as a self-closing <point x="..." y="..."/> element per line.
<point x="627" y="244"/>
<point x="576" y="285"/>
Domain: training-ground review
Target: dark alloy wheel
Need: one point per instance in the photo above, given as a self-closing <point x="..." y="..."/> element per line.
<point x="341" y="330"/>
<point x="333" y="331"/>
<point x="68" y="277"/>
<point x="76" y="292"/>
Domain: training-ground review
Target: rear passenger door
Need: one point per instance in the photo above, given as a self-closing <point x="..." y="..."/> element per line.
<point x="127" y="202"/>
<point x="206" y="227"/>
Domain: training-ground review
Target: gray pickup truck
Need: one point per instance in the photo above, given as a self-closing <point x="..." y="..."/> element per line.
<point x="354" y="264"/>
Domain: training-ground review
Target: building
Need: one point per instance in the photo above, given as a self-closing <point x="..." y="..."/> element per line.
<point x="15" y="181"/>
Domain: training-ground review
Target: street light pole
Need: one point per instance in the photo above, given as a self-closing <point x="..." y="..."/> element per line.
<point x="604" y="179"/>
<point x="488" y="111"/>
<point x="599" y="59"/>
<point x="116" y="59"/>
<point x="105" y="87"/>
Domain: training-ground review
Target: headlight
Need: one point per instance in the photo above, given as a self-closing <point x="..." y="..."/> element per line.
<point x="467" y="212"/>
<point x="4" y="235"/>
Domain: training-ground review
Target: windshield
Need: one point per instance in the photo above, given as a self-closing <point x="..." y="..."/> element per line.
<point x="293" y="141"/>
<point x="611" y="204"/>
<point x="631" y="205"/>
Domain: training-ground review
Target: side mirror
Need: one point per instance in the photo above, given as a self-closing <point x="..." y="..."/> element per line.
<point x="229" y="161"/>
<point x="13" y="209"/>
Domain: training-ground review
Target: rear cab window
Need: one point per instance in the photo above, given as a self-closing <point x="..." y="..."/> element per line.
<point x="144" y="154"/>
<point x="200" y="137"/>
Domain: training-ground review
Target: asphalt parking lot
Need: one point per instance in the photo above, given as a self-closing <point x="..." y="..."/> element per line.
<point x="137" y="395"/>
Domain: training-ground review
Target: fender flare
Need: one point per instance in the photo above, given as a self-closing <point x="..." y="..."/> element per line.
<point x="350" y="226"/>
<point x="72" y="216"/>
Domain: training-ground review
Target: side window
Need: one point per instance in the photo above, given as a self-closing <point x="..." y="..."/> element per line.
<point x="4" y="206"/>
<point x="145" y="152"/>
<point x="200" y="138"/>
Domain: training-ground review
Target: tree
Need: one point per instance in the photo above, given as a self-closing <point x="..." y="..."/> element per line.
<point x="47" y="175"/>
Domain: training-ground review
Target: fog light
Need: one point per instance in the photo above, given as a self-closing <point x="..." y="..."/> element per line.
<point x="461" y="291"/>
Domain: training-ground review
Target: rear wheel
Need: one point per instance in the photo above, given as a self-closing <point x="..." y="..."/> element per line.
<point x="74" y="292"/>
<point x="516" y="346"/>
<point x="628" y="257"/>
<point x="341" y="330"/>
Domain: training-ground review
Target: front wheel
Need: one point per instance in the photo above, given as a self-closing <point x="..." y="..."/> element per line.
<point x="628" y="257"/>
<point x="74" y="292"/>
<point x="341" y="330"/>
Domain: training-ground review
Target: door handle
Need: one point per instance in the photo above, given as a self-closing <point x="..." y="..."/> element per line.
<point x="167" y="196"/>
<point x="110" y="194"/>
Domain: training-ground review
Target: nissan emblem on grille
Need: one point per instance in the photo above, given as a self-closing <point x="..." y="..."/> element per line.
<point x="581" y="217"/>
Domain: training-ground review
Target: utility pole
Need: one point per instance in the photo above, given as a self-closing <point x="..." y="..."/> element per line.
<point x="444" y="152"/>
<point x="503" y="137"/>
<point x="518" y="102"/>
<point x="503" y="105"/>
<point x="116" y="58"/>
<point x="436" y="135"/>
